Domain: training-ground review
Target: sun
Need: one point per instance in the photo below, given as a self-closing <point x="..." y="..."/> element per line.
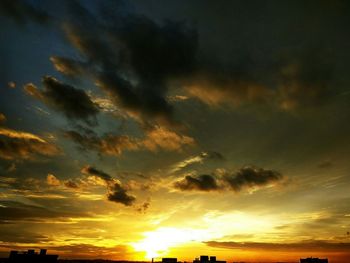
<point x="157" y="243"/>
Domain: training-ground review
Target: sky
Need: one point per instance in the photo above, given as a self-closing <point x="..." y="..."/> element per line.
<point x="132" y="130"/>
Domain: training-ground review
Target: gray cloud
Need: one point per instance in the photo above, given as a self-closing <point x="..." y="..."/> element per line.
<point x="202" y="182"/>
<point x="72" y="102"/>
<point x="116" y="192"/>
<point x="244" y="178"/>
<point x="22" y="12"/>
<point x="250" y="177"/>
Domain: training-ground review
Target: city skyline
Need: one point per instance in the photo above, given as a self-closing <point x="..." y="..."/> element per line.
<point x="132" y="130"/>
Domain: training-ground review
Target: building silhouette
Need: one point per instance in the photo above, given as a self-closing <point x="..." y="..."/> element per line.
<point x="313" y="260"/>
<point x="169" y="260"/>
<point x="207" y="259"/>
<point x="31" y="256"/>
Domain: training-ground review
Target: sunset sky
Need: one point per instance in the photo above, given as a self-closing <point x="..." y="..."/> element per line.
<point x="139" y="129"/>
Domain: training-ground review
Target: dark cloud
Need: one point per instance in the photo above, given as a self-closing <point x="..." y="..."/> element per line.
<point x="24" y="145"/>
<point x="309" y="245"/>
<point x="22" y="12"/>
<point x="116" y="192"/>
<point x="72" y="102"/>
<point x="218" y="63"/>
<point x="93" y="171"/>
<point x="119" y="194"/>
<point x="134" y="75"/>
<point x="201" y="183"/>
<point x="249" y="177"/>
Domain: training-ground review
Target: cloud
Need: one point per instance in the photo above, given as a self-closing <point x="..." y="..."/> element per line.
<point x="325" y="164"/>
<point x="72" y="102"/>
<point x="52" y="180"/>
<point x="89" y="170"/>
<point x="211" y="155"/>
<point x="144" y="207"/>
<point x="108" y="144"/>
<point x="22" y="12"/>
<point x="201" y="183"/>
<point x="68" y="67"/>
<point x="295" y="80"/>
<point x="134" y="75"/>
<point x="244" y="178"/>
<point x="217" y="91"/>
<point x="161" y="138"/>
<point x="12" y="235"/>
<point x="249" y="177"/>
<point x="119" y="195"/>
<point x="11" y="84"/>
<point x="308" y="245"/>
<point x="71" y="184"/>
<point x="116" y="192"/>
<point x="12" y="211"/>
<point x="88" y="251"/>
<point x="2" y="118"/>
<point x="23" y="145"/>
<point x="156" y="138"/>
<point x="305" y="79"/>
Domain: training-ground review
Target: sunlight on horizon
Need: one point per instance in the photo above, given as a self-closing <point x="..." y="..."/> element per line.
<point x="213" y="226"/>
<point x="157" y="243"/>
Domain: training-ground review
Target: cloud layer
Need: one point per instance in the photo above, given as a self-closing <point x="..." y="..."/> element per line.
<point x="155" y="138"/>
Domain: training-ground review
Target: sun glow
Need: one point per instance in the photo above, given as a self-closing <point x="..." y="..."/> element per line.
<point x="157" y="243"/>
<point x="213" y="226"/>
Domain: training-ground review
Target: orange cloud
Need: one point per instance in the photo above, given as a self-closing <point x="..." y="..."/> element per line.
<point x="162" y="138"/>
<point x="52" y="180"/>
<point x="2" y="118"/>
<point x="24" y="145"/>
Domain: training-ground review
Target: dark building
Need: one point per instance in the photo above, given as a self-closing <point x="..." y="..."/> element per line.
<point x="31" y="256"/>
<point x="169" y="260"/>
<point x="313" y="260"/>
<point x="207" y="259"/>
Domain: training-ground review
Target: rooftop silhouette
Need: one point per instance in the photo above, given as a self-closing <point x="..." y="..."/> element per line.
<point x="31" y="256"/>
<point x="207" y="259"/>
<point x="313" y="260"/>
